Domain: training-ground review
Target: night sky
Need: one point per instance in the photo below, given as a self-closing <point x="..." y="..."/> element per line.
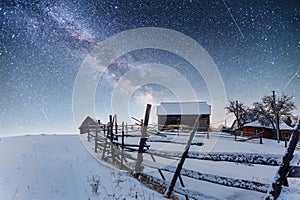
<point x="254" y="44"/>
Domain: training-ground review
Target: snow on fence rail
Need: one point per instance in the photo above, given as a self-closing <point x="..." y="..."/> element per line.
<point x="225" y="181"/>
<point x="180" y="190"/>
<point x="172" y="140"/>
<point x="249" y="158"/>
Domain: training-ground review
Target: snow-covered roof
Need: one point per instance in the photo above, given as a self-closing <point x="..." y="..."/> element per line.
<point x="282" y="125"/>
<point x="183" y="108"/>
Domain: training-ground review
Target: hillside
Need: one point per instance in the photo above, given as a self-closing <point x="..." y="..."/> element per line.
<point x="58" y="167"/>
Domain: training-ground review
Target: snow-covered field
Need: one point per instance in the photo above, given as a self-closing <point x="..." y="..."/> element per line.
<point x="58" y="167"/>
<point x="65" y="167"/>
<point x="218" y="145"/>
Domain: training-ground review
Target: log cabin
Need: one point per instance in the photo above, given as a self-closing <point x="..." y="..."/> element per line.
<point x="87" y="124"/>
<point x="250" y="129"/>
<point x="175" y="115"/>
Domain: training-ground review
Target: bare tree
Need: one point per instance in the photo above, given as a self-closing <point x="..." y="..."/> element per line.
<point x="242" y="113"/>
<point x="271" y="109"/>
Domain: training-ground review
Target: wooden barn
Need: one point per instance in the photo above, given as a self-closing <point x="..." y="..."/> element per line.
<point x="183" y="114"/>
<point x="86" y="124"/>
<point x="250" y="129"/>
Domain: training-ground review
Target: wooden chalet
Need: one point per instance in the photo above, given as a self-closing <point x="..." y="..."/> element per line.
<point x="183" y="115"/>
<point x="88" y="123"/>
<point x="252" y="128"/>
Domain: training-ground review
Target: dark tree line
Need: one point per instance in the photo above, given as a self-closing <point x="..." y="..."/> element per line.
<point x="269" y="111"/>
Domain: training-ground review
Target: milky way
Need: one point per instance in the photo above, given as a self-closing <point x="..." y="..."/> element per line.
<point x="255" y="45"/>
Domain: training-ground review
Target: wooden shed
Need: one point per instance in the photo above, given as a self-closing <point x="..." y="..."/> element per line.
<point x="250" y="129"/>
<point x="86" y="124"/>
<point x="183" y="114"/>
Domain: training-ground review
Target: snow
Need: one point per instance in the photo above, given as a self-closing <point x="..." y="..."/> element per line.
<point x="175" y="140"/>
<point x="282" y="125"/>
<point x="290" y="193"/>
<point x="66" y="167"/>
<point x="59" y="167"/>
<point x="185" y="108"/>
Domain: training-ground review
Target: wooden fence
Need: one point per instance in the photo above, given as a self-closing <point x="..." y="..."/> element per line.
<point x="109" y="140"/>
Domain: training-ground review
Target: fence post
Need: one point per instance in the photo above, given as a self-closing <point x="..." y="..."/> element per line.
<point x="235" y="135"/>
<point x="280" y="176"/>
<point x="285" y="140"/>
<point x="122" y="145"/>
<point x="104" y="130"/>
<point x="116" y="127"/>
<point x="260" y="137"/>
<point x="178" y="125"/>
<point x="181" y="162"/>
<point x="96" y="138"/>
<point x="142" y="142"/>
<point x="122" y="135"/>
<point x="111" y="132"/>
<point x="88" y="137"/>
